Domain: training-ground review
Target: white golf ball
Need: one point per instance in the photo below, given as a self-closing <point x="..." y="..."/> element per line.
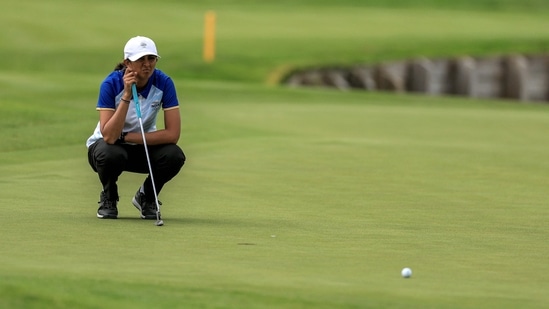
<point x="406" y="272"/>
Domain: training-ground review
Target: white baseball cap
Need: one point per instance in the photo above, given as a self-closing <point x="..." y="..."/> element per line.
<point x="138" y="47"/>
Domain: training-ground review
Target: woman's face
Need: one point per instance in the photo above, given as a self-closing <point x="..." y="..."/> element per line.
<point x="143" y="67"/>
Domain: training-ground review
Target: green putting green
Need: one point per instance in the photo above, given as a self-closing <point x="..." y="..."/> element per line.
<point x="290" y="198"/>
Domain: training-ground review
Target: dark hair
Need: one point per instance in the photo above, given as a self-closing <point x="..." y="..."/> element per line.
<point x="120" y="66"/>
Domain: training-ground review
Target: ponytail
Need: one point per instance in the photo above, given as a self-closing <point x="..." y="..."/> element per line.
<point x="120" y="66"/>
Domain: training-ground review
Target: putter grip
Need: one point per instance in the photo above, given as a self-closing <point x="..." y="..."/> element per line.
<point x="136" y="101"/>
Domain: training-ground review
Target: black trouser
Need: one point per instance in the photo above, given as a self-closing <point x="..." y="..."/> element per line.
<point x="109" y="161"/>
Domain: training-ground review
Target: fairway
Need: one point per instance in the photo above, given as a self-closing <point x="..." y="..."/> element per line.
<point x="290" y="198"/>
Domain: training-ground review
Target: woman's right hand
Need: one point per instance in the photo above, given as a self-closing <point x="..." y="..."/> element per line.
<point x="129" y="80"/>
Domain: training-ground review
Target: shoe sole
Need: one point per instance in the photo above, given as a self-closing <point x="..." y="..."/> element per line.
<point x="136" y="204"/>
<point x="106" y="216"/>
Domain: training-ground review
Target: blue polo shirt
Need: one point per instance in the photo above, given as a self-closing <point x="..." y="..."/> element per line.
<point x="158" y="94"/>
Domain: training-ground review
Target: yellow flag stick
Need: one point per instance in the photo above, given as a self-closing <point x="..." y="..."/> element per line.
<point x="209" y="37"/>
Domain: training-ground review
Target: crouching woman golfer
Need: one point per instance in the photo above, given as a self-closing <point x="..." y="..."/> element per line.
<point x="117" y="144"/>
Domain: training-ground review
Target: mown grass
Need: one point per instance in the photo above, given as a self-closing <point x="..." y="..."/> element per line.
<point x="290" y="198"/>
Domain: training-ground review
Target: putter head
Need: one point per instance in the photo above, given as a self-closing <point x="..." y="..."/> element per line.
<point x="159" y="223"/>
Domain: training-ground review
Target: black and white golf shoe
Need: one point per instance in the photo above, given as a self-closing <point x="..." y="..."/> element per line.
<point x="146" y="207"/>
<point x="107" y="208"/>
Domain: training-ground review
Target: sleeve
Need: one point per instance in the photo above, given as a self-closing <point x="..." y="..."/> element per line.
<point x="106" y="96"/>
<point x="169" y="98"/>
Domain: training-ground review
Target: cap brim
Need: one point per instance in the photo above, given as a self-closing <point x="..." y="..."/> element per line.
<point x="139" y="55"/>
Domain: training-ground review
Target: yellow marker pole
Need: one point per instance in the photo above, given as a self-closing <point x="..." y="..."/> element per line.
<point x="209" y="37"/>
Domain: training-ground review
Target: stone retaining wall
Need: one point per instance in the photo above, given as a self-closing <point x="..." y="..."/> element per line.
<point x="518" y="77"/>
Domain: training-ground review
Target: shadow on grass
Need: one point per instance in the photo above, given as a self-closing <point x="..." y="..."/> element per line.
<point x="195" y="221"/>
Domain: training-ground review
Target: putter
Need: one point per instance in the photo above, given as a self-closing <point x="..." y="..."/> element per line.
<point x="138" y="111"/>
